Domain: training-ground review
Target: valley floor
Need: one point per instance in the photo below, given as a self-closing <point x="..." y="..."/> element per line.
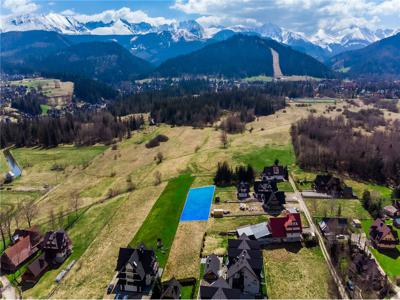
<point x="121" y="204"/>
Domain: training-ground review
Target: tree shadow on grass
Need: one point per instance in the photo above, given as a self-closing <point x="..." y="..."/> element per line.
<point x="290" y="247"/>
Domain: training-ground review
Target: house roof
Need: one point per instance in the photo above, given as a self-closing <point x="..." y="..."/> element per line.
<point x="55" y="239"/>
<point x="241" y="264"/>
<point x="238" y="244"/>
<point x="258" y="230"/>
<point x="251" y="254"/>
<point x="274" y="170"/>
<point x="173" y="289"/>
<point x="210" y="292"/>
<point x="390" y="209"/>
<point x="379" y="230"/>
<point x="38" y="266"/>
<point x="20" y="251"/>
<point x="141" y="259"/>
<point x="212" y="265"/>
<point x="278" y="225"/>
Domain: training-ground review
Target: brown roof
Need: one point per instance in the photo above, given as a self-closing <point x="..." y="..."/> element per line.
<point x="379" y="230"/>
<point x="20" y="251"/>
<point x="38" y="266"/>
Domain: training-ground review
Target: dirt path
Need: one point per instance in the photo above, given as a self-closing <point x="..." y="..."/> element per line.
<point x="275" y="64"/>
<point x="341" y="288"/>
<point x="8" y="291"/>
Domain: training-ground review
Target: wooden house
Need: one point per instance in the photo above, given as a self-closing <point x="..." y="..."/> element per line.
<point x="36" y="269"/>
<point x="286" y="228"/>
<point x="333" y="226"/>
<point x="243" y="190"/>
<point x="26" y="243"/>
<point x="275" y="172"/>
<point x="333" y="186"/>
<point x="273" y="202"/>
<point x="383" y="236"/>
<point x="391" y="211"/>
<point x="172" y="290"/>
<point x="57" y="246"/>
<point x="212" y="268"/>
<point x="137" y="269"/>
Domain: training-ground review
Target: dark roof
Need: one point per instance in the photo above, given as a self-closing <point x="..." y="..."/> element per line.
<point x="173" y="289"/>
<point x="264" y="186"/>
<point x="274" y="170"/>
<point x="240" y="264"/>
<point x="380" y="230"/>
<point x="140" y="258"/>
<point x="251" y="254"/>
<point x="244" y="237"/>
<point x="219" y="290"/>
<point x="56" y="239"/>
<point x="212" y="265"/>
<point x="240" y="244"/>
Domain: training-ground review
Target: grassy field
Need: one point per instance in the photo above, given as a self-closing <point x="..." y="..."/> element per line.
<point x="163" y="219"/>
<point x="329" y="207"/>
<point x="265" y="156"/>
<point x="92" y="172"/>
<point x="3" y="164"/>
<point x="82" y="234"/>
<point x="51" y="166"/>
<point x="105" y="247"/>
<point x="388" y="260"/>
<point x="297" y="272"/>
<point x="216" y="243"/>
<point x="184" y="257"/>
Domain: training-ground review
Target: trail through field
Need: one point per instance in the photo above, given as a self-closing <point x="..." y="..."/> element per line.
<point x="275" y="64"/>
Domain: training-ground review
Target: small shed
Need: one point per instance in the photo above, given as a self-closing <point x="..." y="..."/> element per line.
<point x="356" y="223"/>
<point x="218" y="213"/>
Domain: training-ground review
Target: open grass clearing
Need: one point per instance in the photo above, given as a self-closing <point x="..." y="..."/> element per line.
<point x="389" y="260"/>
<point x="184" y="257"/>
<point x="163" y="219"/>
<point x="296" y="272"/>
<point x="351" y="209"/>
<point x="105" y="248"/>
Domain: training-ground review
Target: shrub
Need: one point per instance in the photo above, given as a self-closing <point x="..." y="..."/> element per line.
<point x="155" y="142"/>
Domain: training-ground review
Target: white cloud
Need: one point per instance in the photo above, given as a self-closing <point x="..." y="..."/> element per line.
<point x="125" y="13"/>
<point x="308" y="16"/>
<point x="20" y="6"/>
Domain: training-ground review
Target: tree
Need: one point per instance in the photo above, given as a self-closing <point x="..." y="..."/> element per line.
<point x="224" y="139"/>
<point x="157" y="178"/>
<point x="3" y="228"/>
<point x="52" y="219"/>
<point x="339" y="211"/>
<point x="159" y="158"/>
<point x="366" y="199"/>
<point x="75" y="202"/>
<point x="29" y="210"/>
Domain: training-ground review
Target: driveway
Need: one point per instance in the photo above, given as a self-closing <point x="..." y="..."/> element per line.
<point x="8" y="291"/>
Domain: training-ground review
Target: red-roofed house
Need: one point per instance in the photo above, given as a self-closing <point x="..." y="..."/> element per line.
<point x="288" y="228"/>
<point x="26" y="244"/>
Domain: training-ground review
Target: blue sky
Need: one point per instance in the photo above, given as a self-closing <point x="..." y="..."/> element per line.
<point x="308" y="16"/>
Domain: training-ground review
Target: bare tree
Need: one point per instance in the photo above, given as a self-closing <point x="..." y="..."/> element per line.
<point x="52" y="219"/>
<point x="3" y="228"/>
<point x="159" y="158"/>
<point x="157" y="178"/>
<point x="60" y="217"/>
<point x="75" y="202"/>
<point x="224" y="139"/>
<point x="29" y="209"/>
<point x="18" y="215"/>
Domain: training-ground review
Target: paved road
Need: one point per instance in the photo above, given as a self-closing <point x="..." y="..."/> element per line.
<point x="304" y="208"/>
<point x="8" y="291"/>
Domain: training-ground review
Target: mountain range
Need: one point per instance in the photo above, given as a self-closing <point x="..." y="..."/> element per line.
<point x="381" y="58"/>
<point x="157" y="43"/>
<point x="244" y="56"/>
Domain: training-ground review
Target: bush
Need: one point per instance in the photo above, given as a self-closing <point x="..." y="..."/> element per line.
<point x="155" y="142"/>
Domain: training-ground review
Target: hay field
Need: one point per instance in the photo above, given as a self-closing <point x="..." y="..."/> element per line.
<point x="101" y="256"/>
<point x="297" y="272"/>
<point x="184" y="257"/>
